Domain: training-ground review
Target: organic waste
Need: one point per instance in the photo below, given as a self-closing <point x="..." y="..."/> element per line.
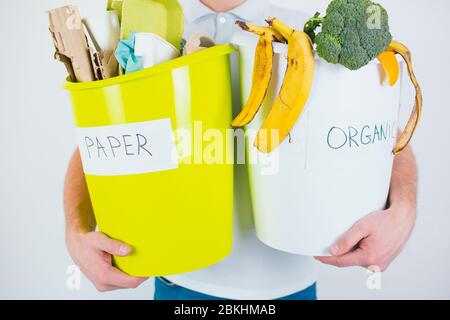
<point x="391" y="67"/>
<point x="398" y="48"/>
<point x="262" y="71"/>
<point x="294" y="92"/>
<point x="353" y="33"/>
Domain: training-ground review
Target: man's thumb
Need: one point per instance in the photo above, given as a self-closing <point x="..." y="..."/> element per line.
<point x="349" y="240"/>
<point x="114" y="247"/>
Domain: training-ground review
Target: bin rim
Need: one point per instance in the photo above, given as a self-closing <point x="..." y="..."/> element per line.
<point x="245" y="39"/>
<point x="206" y="54"/>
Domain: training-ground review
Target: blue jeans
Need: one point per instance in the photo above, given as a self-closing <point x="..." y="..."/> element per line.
<point x="165" y="290"/>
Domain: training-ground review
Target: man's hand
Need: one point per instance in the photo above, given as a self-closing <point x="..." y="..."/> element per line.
<point x="93" y="252"/>
<point x="378" y="239"/>
<point x="375" y="240"/>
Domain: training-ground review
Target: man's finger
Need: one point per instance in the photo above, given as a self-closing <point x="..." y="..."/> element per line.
<point x="119" y="279"/>
<point x="349" y="240"/>
<point x="354" y="258"/>
<point x="111" y="246"/>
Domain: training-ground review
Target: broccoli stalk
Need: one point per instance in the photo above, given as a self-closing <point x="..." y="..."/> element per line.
<point x="312" y="24"/>
<point x="347" y="36"/>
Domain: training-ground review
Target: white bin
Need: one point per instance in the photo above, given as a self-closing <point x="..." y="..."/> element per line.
<point x="336" y="166"/>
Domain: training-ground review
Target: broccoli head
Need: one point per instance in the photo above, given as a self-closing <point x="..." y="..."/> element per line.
<point x="354" y="32"/>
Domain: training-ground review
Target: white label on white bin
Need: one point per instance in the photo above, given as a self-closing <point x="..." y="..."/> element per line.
<point x="134" y="148"/>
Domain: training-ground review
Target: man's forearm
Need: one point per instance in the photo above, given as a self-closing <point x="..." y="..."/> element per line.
<point x="403" y="191"/>
<point x="77" y="203"/>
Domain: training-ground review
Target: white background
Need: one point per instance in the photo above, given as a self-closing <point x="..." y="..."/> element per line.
<point x="37" y="138"/>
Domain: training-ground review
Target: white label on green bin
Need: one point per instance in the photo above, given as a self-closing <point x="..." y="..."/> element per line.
<point x="127" y="149"/>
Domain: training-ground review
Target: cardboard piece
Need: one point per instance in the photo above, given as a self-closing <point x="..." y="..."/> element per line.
<point x="110" y="64"/>
<point x="102" y="57"/>
<point x="97" y="64"/>
<point x="68" y="63"/>
<point x="104" y="31"/>
<point x="198" y="42"/>
<point x="70" y="43"/>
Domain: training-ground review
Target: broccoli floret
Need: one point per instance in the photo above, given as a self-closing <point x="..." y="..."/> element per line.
<point x="354" y="32"/>
<point x="329" y="44"/>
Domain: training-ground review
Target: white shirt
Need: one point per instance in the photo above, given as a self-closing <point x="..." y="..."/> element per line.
<point x="253" y="270"/>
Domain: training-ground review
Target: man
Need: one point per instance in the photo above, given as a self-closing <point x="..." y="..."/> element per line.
<point x="253" y="270"/>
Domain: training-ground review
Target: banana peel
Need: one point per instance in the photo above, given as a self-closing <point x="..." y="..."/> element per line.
<point x="294" y="92"/>
<point x="391" y="67"/>
<point x="397" y="47"/>
<point x="262" y="71"/>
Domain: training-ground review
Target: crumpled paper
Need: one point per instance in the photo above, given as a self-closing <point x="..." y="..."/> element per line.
<point x="126" y="56"/>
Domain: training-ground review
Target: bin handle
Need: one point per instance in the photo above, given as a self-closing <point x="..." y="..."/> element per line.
<point x="115" y="5"/>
